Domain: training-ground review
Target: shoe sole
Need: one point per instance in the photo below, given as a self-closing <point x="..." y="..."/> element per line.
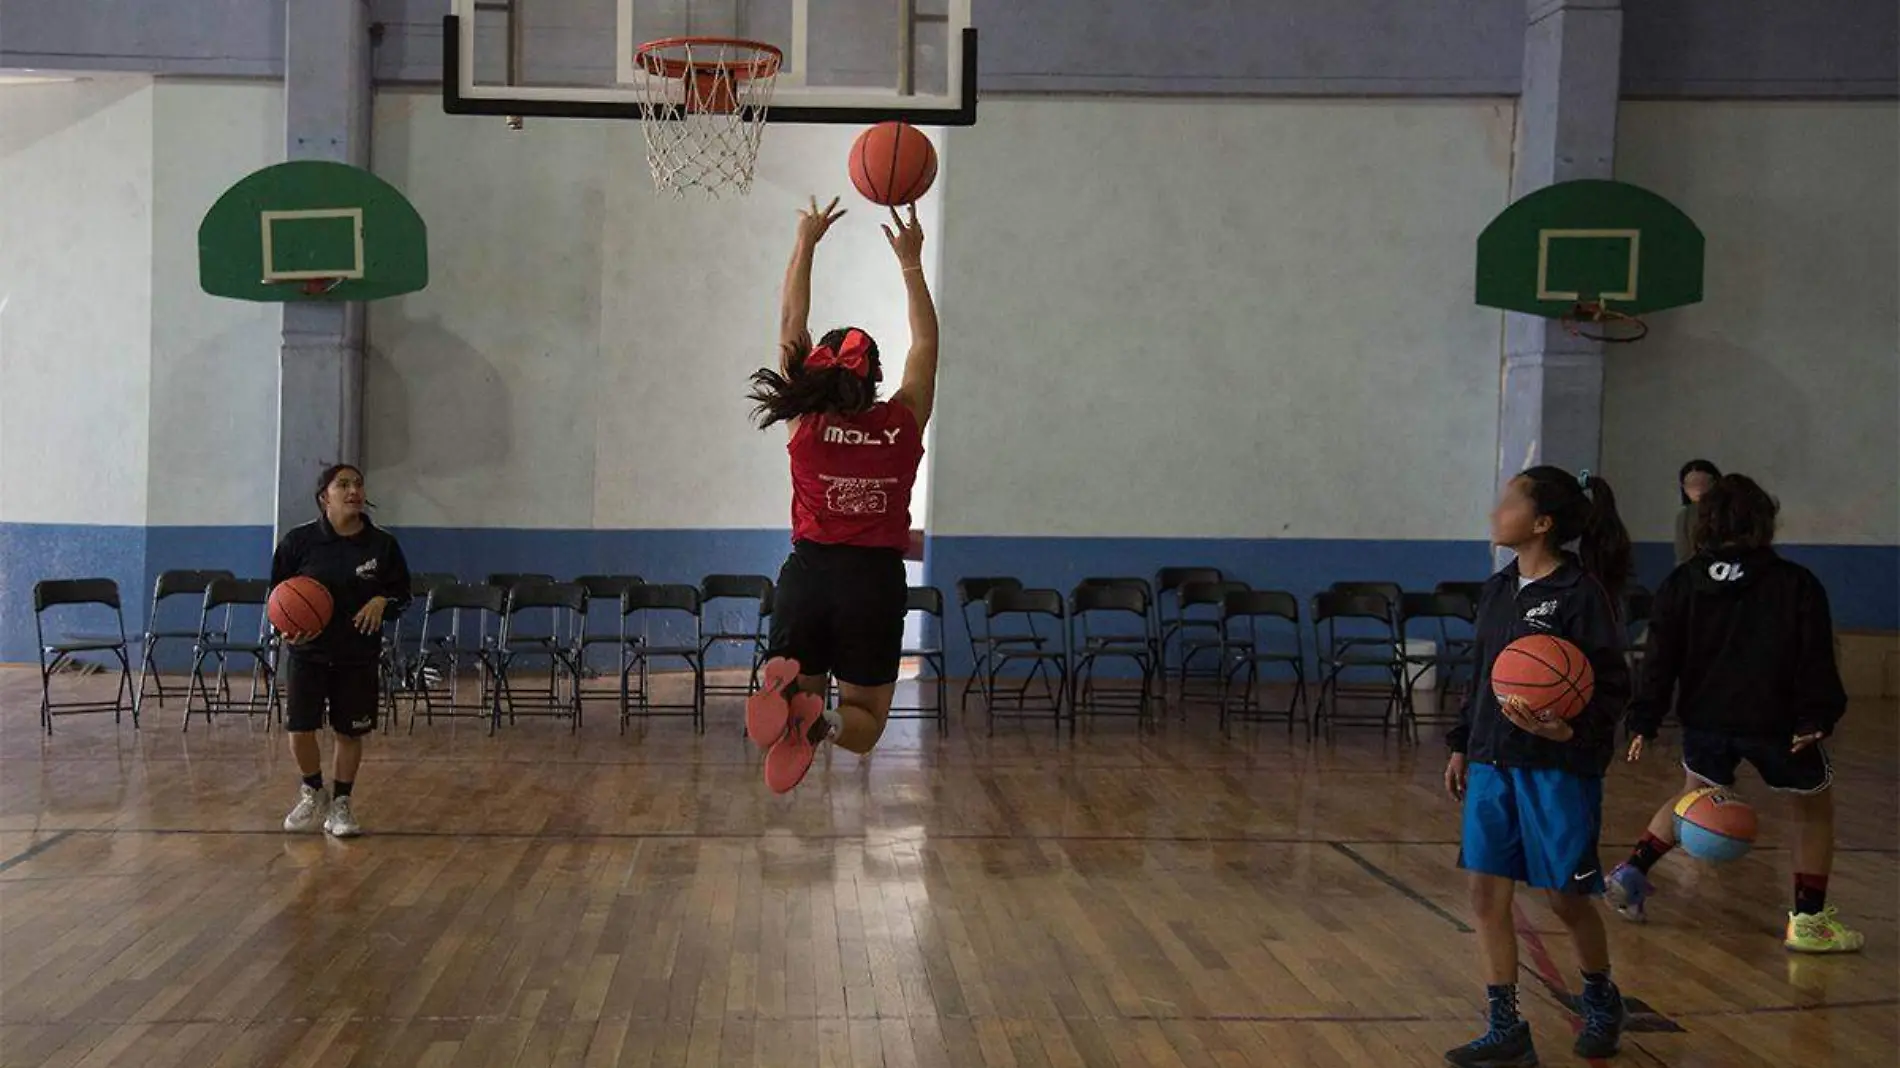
<point x="1827" y="951"/>
<point x="790" y="758"/>
<point x="358" y="833"/>
<point x="767" y="713"/>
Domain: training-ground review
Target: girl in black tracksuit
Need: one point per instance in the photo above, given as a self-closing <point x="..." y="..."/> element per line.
<point x="1744" y="642"/>
<point x="335" y="675"/>
<point x="1533" y="790"/>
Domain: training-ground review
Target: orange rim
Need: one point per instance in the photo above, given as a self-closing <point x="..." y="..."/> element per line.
<point x="764" y="63"/>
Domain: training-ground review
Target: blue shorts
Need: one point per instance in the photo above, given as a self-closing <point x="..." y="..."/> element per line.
<point x="1537" y="826"/>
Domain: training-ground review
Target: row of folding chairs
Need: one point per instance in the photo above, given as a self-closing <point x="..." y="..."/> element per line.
<point x="1204" y="628"/>
<point x="491" y="638"/>
<point x="1192" y="623"/>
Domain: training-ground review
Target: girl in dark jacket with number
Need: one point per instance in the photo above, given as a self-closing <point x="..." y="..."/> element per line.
<point x="1745" y="641"/>
<point x="335" y="674"/>
<point x="1533" y="790"/>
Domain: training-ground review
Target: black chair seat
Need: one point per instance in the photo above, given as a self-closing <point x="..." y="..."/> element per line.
<point x="85" y="644"/>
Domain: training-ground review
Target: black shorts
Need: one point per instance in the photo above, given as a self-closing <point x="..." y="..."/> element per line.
<point x="1713" y="758"/>
<point x="839" y="610"/>
<point x="346" y="694"/>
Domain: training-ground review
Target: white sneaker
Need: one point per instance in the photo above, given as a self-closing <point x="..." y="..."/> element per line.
<point x="342" y="822"/>
<point x="312" y="804"/>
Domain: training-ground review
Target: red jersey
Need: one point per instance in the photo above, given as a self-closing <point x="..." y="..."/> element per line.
<point x="852" y="477"/>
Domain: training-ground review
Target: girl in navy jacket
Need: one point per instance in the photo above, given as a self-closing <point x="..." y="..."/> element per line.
<point x="1533" y="791"/>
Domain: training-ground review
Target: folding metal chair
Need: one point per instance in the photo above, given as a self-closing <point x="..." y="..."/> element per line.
<point x="171" y="586"/>
<point x="1112" y="619"/>
<point x="1168" y="583"/>
<point x="231" y="607"/>
<point x="77" y="595"/>
<point x="566" y="603"/>
<point x="461" y="629"/>
<point x="1452" y="653"/>
<point x="1246" y="648"/>
<point x="1371" y="644"/>
<point x="927" y="601"/>
<point x="605" y="593"/>
<point x="1198" y="634"/>
<point x="402" y="644"/>
<point x="1043" y="648"/>
<point x="741" y="608"/>
<point x="984" y="639"/>
<point x="668" y="604"/>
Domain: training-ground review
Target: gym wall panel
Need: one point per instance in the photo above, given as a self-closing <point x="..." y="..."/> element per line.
<point x="1790" y="368"/>
<point x="481" y="391"/>
<point x="1277" y="342"/>
<point x="75" y="300"/>
<point x="214" y="361"/>
<point x="75" y="337"/>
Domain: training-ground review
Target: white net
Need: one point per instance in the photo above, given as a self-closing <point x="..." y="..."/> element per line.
<point x="703" y="103"/>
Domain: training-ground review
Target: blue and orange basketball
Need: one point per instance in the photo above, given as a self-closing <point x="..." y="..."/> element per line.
<point x="1714" y="825"/>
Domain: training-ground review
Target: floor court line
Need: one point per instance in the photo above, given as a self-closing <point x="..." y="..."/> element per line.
<point x="36" y="849"/>
<point x="1400" y="885"/>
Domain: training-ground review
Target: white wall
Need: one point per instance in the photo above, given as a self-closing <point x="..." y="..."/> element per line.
<point x="1219" y="319"/>
<point x="213" y="361"/>
<point x="75" y="300"/>
<point x="580" y="356"/>
<point x="1790" y="368"/>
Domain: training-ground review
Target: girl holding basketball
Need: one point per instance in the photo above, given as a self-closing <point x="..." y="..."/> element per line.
<point x="1532" y="787"/>
<point x="334" y="670"/>
<point x="1745" y="642"/>
<point x="840" y="600"/>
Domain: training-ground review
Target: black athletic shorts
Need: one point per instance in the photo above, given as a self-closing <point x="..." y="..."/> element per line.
<point x="1713" y="758"/>
<point x="345" y="694"/>
<point x="839" y="610"/>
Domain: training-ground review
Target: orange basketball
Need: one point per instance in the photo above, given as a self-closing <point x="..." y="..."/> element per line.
<point x="893" y="163"/>
<point x="1551" y="675"/>
<point x="300" y="605"/>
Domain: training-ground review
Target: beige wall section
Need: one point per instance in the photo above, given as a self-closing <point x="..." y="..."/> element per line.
<point x="75" y="300"/>
<point x="1220" y="319"/>
<point x="1789" y="370"/>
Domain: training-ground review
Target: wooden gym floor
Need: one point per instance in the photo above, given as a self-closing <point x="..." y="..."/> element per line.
<point x="543" y="899"/>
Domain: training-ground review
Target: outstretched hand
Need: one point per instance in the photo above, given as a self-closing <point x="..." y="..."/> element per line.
<point x="814" y="221"/>
<point x="906" y="238"/>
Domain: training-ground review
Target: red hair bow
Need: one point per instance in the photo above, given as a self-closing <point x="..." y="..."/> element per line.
<point x="852" y="354"/>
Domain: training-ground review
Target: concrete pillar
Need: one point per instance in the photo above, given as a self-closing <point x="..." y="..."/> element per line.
<point x="319" y="382"/>
<point x="1552" y="406"/>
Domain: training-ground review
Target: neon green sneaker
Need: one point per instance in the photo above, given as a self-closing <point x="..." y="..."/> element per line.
<point x="1821" y="933"/>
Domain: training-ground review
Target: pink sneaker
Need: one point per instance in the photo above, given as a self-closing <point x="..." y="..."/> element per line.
<point x="766" y="713"/>
<point x="790" y="758"/>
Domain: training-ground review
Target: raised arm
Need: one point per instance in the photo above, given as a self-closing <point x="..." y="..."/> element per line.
<point x="794" y="326"/>
<point x="918" y="392"/>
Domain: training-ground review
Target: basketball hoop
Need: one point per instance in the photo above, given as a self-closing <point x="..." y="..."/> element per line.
<point x="703" y="102"/>
<point x="1606" y="324"/>
<point x="311" y="287"/>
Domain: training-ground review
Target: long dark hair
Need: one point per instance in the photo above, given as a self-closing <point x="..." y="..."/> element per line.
<point x="1736" y="513"/>
<point x="1584" y="511"/>
<point x="834" y="390"/>
<point x="1690" y="468"/>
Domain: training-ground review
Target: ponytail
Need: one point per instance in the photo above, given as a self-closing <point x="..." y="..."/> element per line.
<point x="1583" y="510"/>
<point x="845" y="384"/>
<point x="1605" y="545"/>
